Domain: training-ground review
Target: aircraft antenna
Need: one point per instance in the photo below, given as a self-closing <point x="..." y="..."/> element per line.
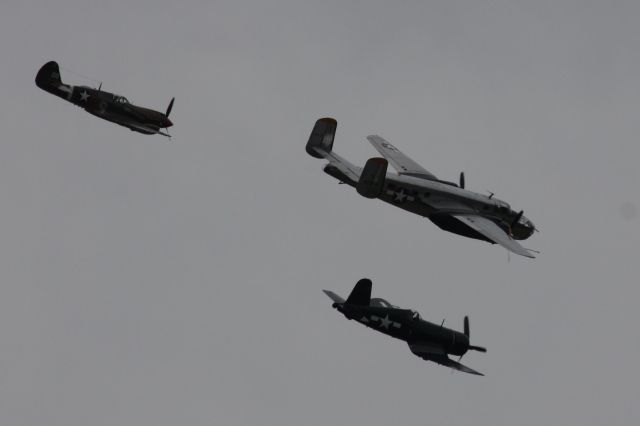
<point x="81" y="75"/>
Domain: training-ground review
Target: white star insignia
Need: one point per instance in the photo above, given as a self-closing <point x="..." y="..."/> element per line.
<point x="400" y="196"/>
<point x="385" y="322"/>
<point x="84" y="96"/>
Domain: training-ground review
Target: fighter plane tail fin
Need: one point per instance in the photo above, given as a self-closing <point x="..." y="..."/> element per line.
<point x="361" y="293"/>
<point x="322" y="137"/>
<point x="48" y="76"/>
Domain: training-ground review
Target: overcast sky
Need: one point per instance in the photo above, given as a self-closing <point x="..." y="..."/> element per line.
<point x="156" y="282"/>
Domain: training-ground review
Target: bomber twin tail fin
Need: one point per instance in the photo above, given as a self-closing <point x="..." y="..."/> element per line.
<point x="322" y="137"/>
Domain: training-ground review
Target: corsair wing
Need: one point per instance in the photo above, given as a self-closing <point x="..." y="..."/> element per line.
<point x="437" y="354"/>
<point x="448" y="362"/>
<point x="403" y="164"/>
<point x="493" y="232"/>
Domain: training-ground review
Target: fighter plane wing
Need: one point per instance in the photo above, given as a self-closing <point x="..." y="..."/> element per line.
<point x="403" y="164"/>
<point x="437" y="354"/>
<point x="143" y="128"/>
<point x="493" y="232"/>
<point x="448" y="362"/>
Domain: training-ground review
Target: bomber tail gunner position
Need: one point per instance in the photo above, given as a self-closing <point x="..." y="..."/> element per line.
<point x="108" y="106"/>
<point x="429" y="341"/>
<point x="450" y="206"/>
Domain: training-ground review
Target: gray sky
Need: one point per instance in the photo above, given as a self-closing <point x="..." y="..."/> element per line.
<point x="148" y="282"/>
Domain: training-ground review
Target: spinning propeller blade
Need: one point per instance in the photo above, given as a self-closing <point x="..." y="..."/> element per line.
<point x="169" y="107"/>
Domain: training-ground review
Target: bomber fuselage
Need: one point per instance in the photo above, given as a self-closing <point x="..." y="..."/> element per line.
<point x="422" y="197"/>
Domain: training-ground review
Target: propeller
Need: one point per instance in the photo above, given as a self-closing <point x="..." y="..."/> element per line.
<point x="517" y="218"/>
<point x="462" y="180"/>
<point x="466" y="333"/>
<point x="169" y="107"/>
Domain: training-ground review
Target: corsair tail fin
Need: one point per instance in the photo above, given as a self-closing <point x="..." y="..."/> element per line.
<point x="322" y="137"/>
<point x="361" y="293"/>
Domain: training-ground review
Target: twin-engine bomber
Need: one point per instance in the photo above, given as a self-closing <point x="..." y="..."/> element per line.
<point x="108" y="106"/>
<point x="450" y="206"/>
<point x="429" y="341"/>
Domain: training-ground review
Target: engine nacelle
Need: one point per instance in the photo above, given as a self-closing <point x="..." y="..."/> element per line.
<point x="372" y="178"/>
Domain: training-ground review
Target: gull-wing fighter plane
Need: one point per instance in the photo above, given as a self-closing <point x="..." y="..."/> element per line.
<point x="450" y="206"/>
<point x="429" y="341"/>
<point x="105" y="105"/>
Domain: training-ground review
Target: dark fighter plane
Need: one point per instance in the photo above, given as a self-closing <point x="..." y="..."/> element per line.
<point x="429" y="341"/>
<point x="449" y="205"/>
<point x="108" y="106"/>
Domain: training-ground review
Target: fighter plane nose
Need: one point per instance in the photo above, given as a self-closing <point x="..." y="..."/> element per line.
<point x="166" y="122"/>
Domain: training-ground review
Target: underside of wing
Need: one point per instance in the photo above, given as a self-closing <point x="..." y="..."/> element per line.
<point x="151" y="130"/>
<point x="437" y="354"/>
<point x="403" y="164"/>
<point x="448" y="362"/>
<point x="493" y="232"/>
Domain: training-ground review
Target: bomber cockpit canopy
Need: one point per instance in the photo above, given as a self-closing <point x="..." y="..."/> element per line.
<point x="502" y="204"/>
<point x="380" y="303"/>
<point x="120" y="99"/>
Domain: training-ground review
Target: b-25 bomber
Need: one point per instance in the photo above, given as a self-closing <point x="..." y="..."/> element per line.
<point x="429" y="341"/>
<point x="448" y="205"/>
<point x="108" y="106"/>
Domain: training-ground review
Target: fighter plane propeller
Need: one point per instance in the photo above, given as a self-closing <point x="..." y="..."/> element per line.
<point x="429" y="341"/>
<point x="448" y="205"/>
<point x="108" y="106"/>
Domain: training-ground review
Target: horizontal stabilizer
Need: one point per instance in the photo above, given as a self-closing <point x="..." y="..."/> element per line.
<point x="333" y="296"/>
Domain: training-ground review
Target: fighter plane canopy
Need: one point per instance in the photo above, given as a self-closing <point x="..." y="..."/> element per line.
<point x="381" y="303"/>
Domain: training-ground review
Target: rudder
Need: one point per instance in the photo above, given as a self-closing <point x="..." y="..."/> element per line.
<point x="322" y="136"/>
<point x="48" y="76"/>
<point x="361" y="293"/>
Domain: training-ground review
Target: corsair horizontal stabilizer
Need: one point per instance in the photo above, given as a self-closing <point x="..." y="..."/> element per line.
<point x="333" y="296"/>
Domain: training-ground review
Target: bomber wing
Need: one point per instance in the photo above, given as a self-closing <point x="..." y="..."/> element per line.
<point x="403" y="164"/>
<point x="493" y="232"/>
<point x="437" y="354"/>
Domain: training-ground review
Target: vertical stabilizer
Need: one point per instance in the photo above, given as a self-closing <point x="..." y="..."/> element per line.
<point x="361" y="293"/>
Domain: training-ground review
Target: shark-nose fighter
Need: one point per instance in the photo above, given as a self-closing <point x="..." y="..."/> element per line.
<point x="449" y="205"/>
<point x="429" y="341"/>
<point x="108" y="106"/>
